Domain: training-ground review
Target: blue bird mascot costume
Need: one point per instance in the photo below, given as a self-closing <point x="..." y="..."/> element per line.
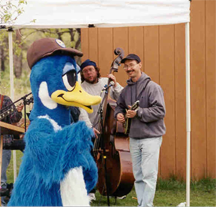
<point x="57" y="167"/>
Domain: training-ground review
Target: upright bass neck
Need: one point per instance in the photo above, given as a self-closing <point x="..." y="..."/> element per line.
<point x="114" y="68"/>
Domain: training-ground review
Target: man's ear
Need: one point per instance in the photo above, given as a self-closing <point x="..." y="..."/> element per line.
<point x="140" y="65"/>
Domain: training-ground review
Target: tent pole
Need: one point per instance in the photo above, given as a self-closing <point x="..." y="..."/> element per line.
<point x="188" y="111"/>
<point x="10" y="38"/>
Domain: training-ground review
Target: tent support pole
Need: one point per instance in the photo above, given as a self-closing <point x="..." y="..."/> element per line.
<point x="10" y="38"/>
<point x="188" y="110"/>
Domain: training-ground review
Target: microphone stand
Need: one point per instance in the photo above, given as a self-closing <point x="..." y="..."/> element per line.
<point x="100" y="112"/>
<point x="25" y="103"/>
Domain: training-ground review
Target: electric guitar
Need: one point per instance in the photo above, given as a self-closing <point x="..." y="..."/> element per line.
<point x="128" y="120"/>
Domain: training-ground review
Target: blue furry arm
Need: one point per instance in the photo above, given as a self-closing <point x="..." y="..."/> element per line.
<point x="46" y="149"/>
<point x="81" y="155"/>
<point x="53" y="154"/>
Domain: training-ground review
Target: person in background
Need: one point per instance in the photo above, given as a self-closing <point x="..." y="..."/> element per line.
<point x="93" y="83"/>
<point x="146" y="129"/>
<point x="14" y="117"/>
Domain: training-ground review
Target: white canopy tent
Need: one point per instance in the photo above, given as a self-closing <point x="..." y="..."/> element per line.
<point x="108" y="13"/>
<point x="101" y="13"/>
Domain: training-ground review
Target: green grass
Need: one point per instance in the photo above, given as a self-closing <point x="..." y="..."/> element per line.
<point x="10" y="174"/>
<point x="169" y="192"/>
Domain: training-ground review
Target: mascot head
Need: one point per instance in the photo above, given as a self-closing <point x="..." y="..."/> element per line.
<point x="54" y="80"/>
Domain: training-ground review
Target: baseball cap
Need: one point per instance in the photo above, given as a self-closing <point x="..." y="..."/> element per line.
<point x="47" y="46"/>
<point x="131" y="57"/>
<point x="87" y="63"/>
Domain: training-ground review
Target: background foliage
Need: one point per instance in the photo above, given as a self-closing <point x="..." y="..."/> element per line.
<point x="10" y="10"/>
<point x="22" y="39"/>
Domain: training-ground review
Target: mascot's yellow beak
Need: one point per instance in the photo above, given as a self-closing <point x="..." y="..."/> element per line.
<point x="77" y="97"/>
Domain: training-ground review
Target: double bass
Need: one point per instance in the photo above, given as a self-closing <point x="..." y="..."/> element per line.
<point x="111" y="149"/>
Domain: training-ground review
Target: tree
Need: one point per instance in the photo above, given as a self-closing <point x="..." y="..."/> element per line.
<point x="10" y="10"/>
<point x="22" y="39"/>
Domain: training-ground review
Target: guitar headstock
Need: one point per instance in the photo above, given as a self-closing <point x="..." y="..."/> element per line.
<point x="29" y="101"/>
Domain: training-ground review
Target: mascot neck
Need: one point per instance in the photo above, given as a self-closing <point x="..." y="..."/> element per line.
<point x="60" y="114"/>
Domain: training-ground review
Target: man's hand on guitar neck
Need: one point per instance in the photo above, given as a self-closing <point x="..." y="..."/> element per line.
<point x="130" y="113"/>
<point x="19" y="107"/>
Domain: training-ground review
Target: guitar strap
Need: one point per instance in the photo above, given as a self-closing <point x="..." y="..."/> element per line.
<point x="1" y="101"/>
<point x="143" y="89"/>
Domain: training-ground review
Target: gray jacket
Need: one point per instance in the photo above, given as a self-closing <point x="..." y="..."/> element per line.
<point x="149" y="121"/>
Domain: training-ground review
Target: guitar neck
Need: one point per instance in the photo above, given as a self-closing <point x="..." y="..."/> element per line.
<point x="6" y="113"/>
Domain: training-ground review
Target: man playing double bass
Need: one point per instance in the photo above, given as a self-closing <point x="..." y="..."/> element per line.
<point x="94" y="84"/>
<point x="146" y="129"/>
